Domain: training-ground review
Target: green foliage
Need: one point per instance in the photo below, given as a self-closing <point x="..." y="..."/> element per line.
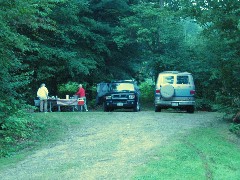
<point x="14" y="76"/>
<point x="147" y="91"/>
<point x="15" y="129"/>
<point x="69" y="88"/>
<point x="34" y="131"/>
<point x="158" y="35"/>
<point x="204" y="105"/>
<point x="235" y="128"/>
<point x="218" y="50"/>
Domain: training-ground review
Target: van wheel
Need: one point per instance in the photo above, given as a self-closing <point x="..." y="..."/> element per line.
<point x="157" y="109"/>
<point x="190" y="109"/>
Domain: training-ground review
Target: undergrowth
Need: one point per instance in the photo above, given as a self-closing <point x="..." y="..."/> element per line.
<point x="27" y="131"/>
<point x="235" y="128"/>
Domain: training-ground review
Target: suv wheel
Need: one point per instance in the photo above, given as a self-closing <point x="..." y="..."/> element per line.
<point x="190" y="109"/>
<point x="137" y="107"/>
<point x="105" y="108"/>
<point x="157" y="109"/>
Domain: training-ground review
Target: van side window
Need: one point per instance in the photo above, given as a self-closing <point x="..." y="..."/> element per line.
<point x="168" y="79"/>
<point x="182" y="80"/>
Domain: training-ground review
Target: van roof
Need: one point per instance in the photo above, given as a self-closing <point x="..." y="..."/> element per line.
<point x="175" y="72"/>
<point x="123" y="81"/>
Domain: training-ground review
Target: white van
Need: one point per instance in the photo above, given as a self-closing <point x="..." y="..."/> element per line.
<point x="175" y="89"/>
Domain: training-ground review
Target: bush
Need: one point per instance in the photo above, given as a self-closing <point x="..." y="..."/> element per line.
<point x="69" y="88"/>
<point x="16" y="129"/>
<point x="147" y="91"/>
<point x="203" y="105"/>
<point x="235" y="128"/>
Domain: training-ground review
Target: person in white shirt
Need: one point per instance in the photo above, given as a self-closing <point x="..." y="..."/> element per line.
<point x="42" y="93"/>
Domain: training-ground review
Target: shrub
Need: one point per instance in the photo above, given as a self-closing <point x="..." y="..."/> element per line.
<point x="203" y="105"/>
<point x="235" y="128"/>
<point x="15" y="129"/>
<point x="69" y="88"/>
<point x="147" y="91"/>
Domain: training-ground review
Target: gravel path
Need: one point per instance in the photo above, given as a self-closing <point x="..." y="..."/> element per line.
<point x="108" y="145"/>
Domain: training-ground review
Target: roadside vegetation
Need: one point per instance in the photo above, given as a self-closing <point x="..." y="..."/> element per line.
<point x="34" y="131"/>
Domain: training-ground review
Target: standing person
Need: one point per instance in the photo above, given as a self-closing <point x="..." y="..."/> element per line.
<point x="42" y="93"/>
<point x="81" y="94"/>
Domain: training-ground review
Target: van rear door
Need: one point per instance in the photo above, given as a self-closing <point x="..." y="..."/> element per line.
<point x="184" y="86"/>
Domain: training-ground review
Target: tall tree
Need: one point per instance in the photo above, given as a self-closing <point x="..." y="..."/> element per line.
<point x="118" y="64"/>
<point x="65" y="48"/>
<point x="157" y="34"/>
<point x="220" y="23"/>
<point x="13" y="75"/>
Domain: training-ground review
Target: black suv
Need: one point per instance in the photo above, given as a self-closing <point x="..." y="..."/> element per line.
<point x="123" y="94"/>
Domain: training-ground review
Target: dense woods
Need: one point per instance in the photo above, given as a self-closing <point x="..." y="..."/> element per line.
<point x="61" y="42"/>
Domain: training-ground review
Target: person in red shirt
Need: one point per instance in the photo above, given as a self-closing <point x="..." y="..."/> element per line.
<point x="81" y="94"/>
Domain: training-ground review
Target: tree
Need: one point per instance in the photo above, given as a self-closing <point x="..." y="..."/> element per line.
<point x="220" y="23"/>
<point x="65" y="48"/>
<point x="157" y="35"/>
<point x="117" y="63"/>
<point x="14" y="76"/>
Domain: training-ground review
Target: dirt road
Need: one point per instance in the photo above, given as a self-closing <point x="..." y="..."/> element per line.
<point x="108" y="145"/>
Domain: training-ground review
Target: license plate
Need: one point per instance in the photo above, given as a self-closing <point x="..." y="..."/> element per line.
<point x="174" y="104"/>
<point x="119" y="104"/>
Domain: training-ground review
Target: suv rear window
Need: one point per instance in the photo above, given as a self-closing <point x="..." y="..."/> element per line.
<point x="182" y="80"/>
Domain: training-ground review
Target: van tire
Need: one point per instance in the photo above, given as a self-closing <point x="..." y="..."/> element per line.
<point x="157" y="109"/>
<point x="190" y="109"/>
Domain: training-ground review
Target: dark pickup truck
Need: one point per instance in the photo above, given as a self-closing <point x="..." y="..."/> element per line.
<point x="122" y="94"/>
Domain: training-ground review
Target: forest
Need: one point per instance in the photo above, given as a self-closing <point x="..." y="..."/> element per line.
<point x="65" y="42"/>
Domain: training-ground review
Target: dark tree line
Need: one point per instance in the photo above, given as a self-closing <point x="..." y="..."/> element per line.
<point x="64" y="41"/>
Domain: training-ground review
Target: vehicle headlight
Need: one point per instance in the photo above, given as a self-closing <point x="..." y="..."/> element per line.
<point x="131" y="96"/>
<point x="108" y="97"/>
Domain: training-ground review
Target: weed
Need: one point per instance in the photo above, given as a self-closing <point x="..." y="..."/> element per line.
<point x="235" y="128"/>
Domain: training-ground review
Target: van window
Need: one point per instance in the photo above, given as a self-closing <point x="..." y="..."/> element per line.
<point x="168" y="79"/>
<point x="182" y="80"/>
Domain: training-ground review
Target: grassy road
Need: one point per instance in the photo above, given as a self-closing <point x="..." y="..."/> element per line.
<point x="128" y="145"/>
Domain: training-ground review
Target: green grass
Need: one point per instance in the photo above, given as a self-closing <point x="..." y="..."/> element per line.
<point x="203" y="154"/>
<point x="49" y="128"/>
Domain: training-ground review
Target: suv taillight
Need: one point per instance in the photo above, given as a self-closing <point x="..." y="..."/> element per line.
<point x="157" y="91"/>
<point x="192" y="92"/>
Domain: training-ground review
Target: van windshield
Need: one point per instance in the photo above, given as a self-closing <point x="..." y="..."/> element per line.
<point x="182" y="80"/>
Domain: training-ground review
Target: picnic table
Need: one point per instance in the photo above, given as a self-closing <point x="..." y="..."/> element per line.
<point x="67" y="102"/>
<point x="74" y="103"/>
